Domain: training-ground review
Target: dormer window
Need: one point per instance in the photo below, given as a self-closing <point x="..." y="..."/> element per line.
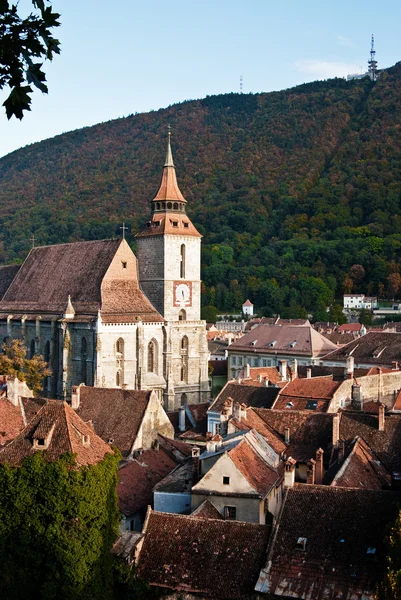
<point x="301" y="544"/>
<point x="292" y="345"/>
<point x="273" y="343"/>
<point x="174" y="223"/>
<point x="156" y="223"/>
<point x="254" y="342"/>
<point x="289" y="405"/>
<point x="42" y="436"/>
<point x="185" y="224"/>
<point x="148" y="224"/>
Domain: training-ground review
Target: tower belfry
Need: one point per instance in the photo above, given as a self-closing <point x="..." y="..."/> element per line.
<point x="372" y="63"/>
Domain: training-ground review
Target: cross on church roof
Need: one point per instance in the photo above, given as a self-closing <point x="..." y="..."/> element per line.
<point x="33" y="240"/>
<point x="124" y="229"/>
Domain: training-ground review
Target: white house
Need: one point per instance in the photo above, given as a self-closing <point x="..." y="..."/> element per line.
<point x="247" y="308"/>
<point x="359" y="301"/>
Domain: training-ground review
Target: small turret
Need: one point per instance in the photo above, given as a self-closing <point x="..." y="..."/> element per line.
<point x="69" y="312"/>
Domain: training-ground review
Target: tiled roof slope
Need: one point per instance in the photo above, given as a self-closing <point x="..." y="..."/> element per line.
<point x="256" y="471"/>
<point x="207" y="510"/>
<point x="362" y="469"/>
<point x="250" y="395"/>
<point x="124" y="302"/>
<point x="116" y="414"/>
<point x="273" y="339"/>
<point x="7" y="274"/>
<point x="299" y="392"/>
<point x="212" y="557"/>
<point x="11" y="421"/>
<point x="309" y="429"/>
<point x="385" y="444"/>
<point x="51" y="273"/>
<point x="137" y="478"/>
<point x="163" y="223"/>
<point x="339" y="526"/>
<point x="65" y="431"/>
<point x="254" y="421"/>
<point x="372" y="348"/>
<point x="270" y="373"/>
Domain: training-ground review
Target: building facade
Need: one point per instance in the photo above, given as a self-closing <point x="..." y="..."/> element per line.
<point x="100" y="318"/>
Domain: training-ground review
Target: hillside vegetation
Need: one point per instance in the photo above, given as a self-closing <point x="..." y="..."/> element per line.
<point x="297" y="193"/>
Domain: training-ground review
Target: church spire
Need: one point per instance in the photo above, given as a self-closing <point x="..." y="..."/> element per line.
<point x="169" y="196"/>
<point x="169" y="156"/>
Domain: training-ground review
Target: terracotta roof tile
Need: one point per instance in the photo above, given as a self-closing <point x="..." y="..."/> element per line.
<point x="385" y="444"/>
<point x="343" y="533"/>
<point x="116" y="414"/>
<point x="169" y="223"/>
<point x="361" y="469"/>
<point x="137" y="478"/>
<point x="213" y="557"/>
<point x="11" y="421"/>
<point x="207" y="510"/>
<point x="382" y="349"/>
<point x="261" y="476"/>
<point x="254" y="421"/>
<point x="350" y="327"/>
<point x="283" y="339"/>
<point x="250" y="395"/>
<point x="312" y="393"/>
<point x="66" y="433"/>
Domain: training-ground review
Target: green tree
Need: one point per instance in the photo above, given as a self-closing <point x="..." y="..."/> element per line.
<point x="209" y="313"/>
<point x="390" y="586"/>
<point x="336" y="314"/>
<point x="57" y="525"/>
<point x="24" y="43"/>
<point x="365" y="317"/>
<point x="13" y="362"/>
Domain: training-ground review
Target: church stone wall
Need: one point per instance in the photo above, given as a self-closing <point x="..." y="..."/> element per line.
<point x="172" y="262"/>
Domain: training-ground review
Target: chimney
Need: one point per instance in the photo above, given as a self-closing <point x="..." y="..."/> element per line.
<point x="294" y="369"/>
<point x="289" y="473"/>
<point x="357" y="397"/>
<point x="336" y="429"/>
<point x="341" y="451"/>
<point x="283" y="370"/>
<point x="266" y="382"/>
<point x="12" y="390"/>
<point x="76" y="396"/>
<point x="308" y="373"/>
<point x="239" y="411"/>
<point x="259" y="378"/>
<point x="382" y="412"/>
<point x="287" y="435"/>
<point x="195" y="462"/>
<point x="310" y="473"/>
<point x="319" y="467"/>
<point x="247" y="371"/>
<point x="349" y="367"/>
<point x="181" y="418"/>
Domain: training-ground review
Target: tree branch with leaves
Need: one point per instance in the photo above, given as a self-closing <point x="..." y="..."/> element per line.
<point x="14" y="363"/>
<point x="24" y="44"/>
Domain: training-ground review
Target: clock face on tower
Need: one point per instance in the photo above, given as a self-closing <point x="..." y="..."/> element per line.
<point x="182" y="293"/>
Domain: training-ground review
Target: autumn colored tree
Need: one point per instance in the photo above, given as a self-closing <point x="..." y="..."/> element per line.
<point x="347" y="285"/>
<point x="393" y="284"/>
<point x="357" y="273"/>
<point x="14" y="362"/>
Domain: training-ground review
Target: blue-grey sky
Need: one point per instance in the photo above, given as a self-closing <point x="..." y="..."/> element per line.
<point x="132" y="56"/>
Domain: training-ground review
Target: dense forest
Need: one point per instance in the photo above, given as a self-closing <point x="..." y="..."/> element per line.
<point x="297" y="193"/>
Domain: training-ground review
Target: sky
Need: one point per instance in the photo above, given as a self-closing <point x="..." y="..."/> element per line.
<point x="138" y="55"/>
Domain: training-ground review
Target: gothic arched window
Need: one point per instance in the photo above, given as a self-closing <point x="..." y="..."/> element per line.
<point x="84" y="356"/>
<point x="182" y="315"/>
<point x="120" y="361"/>
<point x="152" y="357"/>
<point x="182" y="262"/>
<point x="184" y="359"/>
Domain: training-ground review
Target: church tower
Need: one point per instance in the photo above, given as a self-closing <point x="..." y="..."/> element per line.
<point x="169" y="259"/>
<point x="168" y="252"/>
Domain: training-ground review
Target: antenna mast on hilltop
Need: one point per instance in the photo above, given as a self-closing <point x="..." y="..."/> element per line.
<point x="240" y="84"/>
<point x="372" y="63"/>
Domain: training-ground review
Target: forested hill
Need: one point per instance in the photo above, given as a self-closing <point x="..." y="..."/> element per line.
<point x="300" y="189"/>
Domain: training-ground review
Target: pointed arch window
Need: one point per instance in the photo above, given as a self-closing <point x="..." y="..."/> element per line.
<point x="84" y="356"/>
<point x="120" y="351"/>
<point x="182" y="262"/>
<point x="182" y="315"/>
<point x="184" y="359"/>
<point x="152" y="356"/>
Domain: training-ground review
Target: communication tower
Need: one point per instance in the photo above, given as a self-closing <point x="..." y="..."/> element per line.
<point x="240" y="84"/>
<point x="372" y="63"/>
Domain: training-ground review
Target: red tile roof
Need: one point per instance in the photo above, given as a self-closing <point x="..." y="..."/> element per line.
<point x="212" y="557"/>
<point x="254" y="421"/>
<point x="207" y="510"/>
<point x="312" y="393"/>
<point x="61" y="427"/>
<point x="382" y="349"/>
<point x="11" y="421"/>
<point x="116" y="414"/>
<point x="344" y="543"/>
<point x="248" y="394"/>
<point x="137" y="478"/>
<point x="247" y="303"/>
<point x="256" y="471"/>
<point x="362" y="469"/>
<point x="283" y="339"/>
